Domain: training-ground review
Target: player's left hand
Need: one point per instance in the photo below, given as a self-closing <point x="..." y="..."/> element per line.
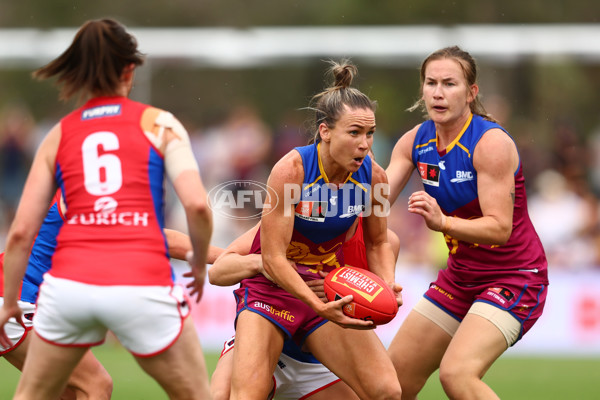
<point x="316" y="286"/>
<point x="422" y="203"/>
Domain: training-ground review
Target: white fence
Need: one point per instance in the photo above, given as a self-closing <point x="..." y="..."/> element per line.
<point x="224" y="47"/>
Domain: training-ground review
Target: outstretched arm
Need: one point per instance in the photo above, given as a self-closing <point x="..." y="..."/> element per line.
<point x="235" y="263"/>
<point x="229" y="266"/>
<point x="180" y="244"/>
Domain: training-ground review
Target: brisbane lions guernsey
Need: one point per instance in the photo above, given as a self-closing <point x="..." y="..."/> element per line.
<point x="323" y="215"/>
<point x="449" y="176"/>
<point x="40" y="258"/>
<point x="112" y="177"/>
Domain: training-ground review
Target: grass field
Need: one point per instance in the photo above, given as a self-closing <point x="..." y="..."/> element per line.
<point x="511" y="377"/>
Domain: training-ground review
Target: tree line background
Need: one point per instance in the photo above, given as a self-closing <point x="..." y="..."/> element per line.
<point x="540" y="93"/>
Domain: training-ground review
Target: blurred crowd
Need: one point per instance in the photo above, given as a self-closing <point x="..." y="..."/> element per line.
<point x="562" y="174"/>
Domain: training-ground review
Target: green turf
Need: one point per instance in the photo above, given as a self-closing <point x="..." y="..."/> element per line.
<point x="535" y="379"/>
<point x="511" y="377"/>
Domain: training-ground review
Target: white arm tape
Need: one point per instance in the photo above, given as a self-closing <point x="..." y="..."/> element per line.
<point x="178" y="151"/>
<point x="178" y="158"/>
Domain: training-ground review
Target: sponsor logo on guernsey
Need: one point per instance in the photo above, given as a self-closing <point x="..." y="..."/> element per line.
<point x="463" y="176"/>
<point x="311" y="190"/>
<point x="353" y="210"/>
<point x="105" y="213"/>
<point x="430" y="173"/>
<point x="425" y="150"/>
<point x="105" y="205"/>
<point x="126" y="218"/>
<point x="101" y="111"/>
<point x="311" y="210"/>
<point x="283" y="314"/>
<point x="442" y="165"/>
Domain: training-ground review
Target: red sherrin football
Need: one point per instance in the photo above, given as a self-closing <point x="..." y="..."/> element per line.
<point x="373" y="299"/>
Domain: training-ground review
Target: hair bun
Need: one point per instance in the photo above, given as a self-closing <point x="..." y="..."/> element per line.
<point x="343" y="74"/>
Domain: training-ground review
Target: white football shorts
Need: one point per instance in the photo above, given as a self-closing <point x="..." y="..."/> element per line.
<point x="146" y="319"/>
<point x="295" y="379"/>
<point x="15" y="331"/>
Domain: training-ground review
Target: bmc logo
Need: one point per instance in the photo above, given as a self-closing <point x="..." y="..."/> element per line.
<point x="463" y="176"/>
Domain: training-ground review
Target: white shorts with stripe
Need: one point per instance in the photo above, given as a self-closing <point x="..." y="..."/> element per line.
<point x="146" y="319"/>
<point x="15" y="331"/>
<point x="299" y="380"/>
<point x="293" y="379"/>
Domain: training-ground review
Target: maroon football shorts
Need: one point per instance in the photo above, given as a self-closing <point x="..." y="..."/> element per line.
<point x="524" y="302"/>
<point x="293" y="316"/>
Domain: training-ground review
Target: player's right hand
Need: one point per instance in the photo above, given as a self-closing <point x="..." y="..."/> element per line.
<point x="334" y="312"/>
<point x="198" y="276"/>
<point x="7" y="312"/>
<point x="316" y="286"/>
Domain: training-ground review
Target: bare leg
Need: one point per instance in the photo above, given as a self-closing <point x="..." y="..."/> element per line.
<point x="180" y="370"/>
<point x="89" y="380"/>
<point x="337" y="391"/>
<point x="358" y="357"/>
<point x="47" y="369"/>
<point x="474" y="348"/>
<point x="258" y="344"/>
<point x="220" y="382"/>
<point x="17" y="356"/>
<point x="416" y="352"/>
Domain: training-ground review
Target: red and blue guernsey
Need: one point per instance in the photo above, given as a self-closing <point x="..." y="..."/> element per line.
<point x="111" y="177"/>
<point x="324" y="214"/>
<point x="40" y="258"/>
<point x="449" y="177"/>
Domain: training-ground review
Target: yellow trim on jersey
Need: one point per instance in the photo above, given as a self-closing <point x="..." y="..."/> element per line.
<point x="322" y="170"/>
<point x="427" y="144"/>
<point x="455" y="141"/>
<point x="464" y="148"/>
<point x="357" y="183"/>
<point x="315" y="181"/>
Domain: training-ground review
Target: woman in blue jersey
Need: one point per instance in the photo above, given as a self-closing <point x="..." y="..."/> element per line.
<point x="316" y="193"/>
<point x="298" y="375"/>
<point x="494" y="287"/>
